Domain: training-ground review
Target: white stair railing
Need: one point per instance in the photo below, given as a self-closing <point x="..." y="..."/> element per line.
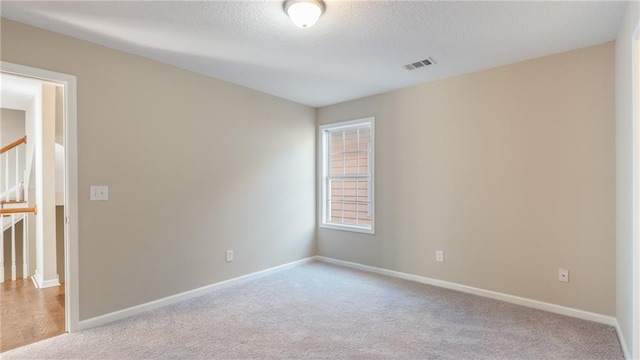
<point x="12" y="195"/>
<point x="15" y="215"/>
<point x="12" y="179"/>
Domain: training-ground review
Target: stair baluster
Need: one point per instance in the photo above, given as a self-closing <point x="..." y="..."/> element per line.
<point x="2" y="187"/>
<point x="12" y="195"/>
<point x="2" y="250"/>
<point x="13" y="247"/>
<point x="6" y="176"/>
<point x="25" y="251"/>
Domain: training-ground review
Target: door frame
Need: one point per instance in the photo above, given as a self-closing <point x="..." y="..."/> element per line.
<point x="71" y="268"/>
<point x="634" y="342"/>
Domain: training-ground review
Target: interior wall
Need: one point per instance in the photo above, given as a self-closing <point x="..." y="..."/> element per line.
<point x="194" y="167"/>
<point x="626" y="178"/>
<point x="12" y="124"/>
<point x="60" y="115"/>
<point x="59" y="145"/>
<point x="12" y="128"/>
<point x="509" y="171"/>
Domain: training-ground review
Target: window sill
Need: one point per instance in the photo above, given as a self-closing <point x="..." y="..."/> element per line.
<point x="350" y="228"/>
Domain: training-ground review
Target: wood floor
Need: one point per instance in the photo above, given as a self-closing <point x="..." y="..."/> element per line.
<point x="29" y="314"/>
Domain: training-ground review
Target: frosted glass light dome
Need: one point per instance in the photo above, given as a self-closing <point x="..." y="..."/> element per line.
<point x="304" y="13"/>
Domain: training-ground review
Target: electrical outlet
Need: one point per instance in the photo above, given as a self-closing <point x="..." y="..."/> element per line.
<point x="563" y="275"/>
<point x="98" y="193"/>
<point x="229" y="255"/>
<point x="439" y="255"/>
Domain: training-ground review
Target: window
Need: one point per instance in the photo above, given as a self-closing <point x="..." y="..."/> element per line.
<point x="346" y="152"/>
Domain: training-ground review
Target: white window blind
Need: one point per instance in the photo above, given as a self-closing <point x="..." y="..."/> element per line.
<point x="347" y="175"/>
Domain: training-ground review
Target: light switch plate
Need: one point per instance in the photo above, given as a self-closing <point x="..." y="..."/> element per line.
<point x="99" y="193"/>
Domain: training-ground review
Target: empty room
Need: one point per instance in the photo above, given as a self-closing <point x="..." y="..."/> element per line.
<point x="315" y="179"/>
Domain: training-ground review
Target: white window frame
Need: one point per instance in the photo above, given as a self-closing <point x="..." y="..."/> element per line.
<point x="323" y="170"/>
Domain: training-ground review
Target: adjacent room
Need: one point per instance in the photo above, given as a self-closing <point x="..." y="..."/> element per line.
<point x="319" y="179"/>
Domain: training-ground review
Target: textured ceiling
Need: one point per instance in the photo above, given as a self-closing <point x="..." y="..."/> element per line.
<point x="357" y="48"/>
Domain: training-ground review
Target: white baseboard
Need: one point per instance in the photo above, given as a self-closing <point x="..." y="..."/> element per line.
<point x="50" y="283"/>
<point x="41" y="283"/>
<point x="623" y="343"/>
<point x="563" y="310"/>
<point x="581" y="314"/>
<point x="37" y="278"/>
<point x="134" y="310"/>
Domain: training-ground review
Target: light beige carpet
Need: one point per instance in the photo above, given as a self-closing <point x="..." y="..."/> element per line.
<point x="322" y="311"/>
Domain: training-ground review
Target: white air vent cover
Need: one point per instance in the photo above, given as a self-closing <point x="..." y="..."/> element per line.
<point x="418" y="64"/>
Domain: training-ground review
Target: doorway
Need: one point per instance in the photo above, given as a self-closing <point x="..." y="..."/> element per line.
<point x="67" y="250"/>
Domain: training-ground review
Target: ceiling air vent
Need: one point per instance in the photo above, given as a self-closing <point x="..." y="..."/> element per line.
<point x="418" y="64"/>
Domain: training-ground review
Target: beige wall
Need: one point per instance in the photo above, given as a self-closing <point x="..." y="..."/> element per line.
<point x="12" y="128"/>
<point x="627" y="242"/>
<point x="194" y="165"/>
<point x="12" y="125"/>
<point x="59" y="115"/>
<point x="510" y="171"/>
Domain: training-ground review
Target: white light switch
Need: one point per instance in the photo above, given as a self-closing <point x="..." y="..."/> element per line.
<point x="100" y="193"/>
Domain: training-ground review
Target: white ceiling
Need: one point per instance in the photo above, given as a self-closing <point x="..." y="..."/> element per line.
<point x="357" y="48"/>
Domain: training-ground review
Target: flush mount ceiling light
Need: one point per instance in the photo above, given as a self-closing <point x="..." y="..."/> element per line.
<point x="304" y="13"/>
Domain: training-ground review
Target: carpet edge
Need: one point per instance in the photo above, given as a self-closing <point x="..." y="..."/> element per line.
<point x="172" y="299"/>
<point x="540" y="305"/>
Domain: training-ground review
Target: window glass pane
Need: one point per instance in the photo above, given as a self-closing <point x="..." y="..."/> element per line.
<point x="351" y="140"/>
<point x="348" y="202"/>
<point x="349" y="152"/>
<point x="336" y="166"/>
<point x="363" y="186"/>
<point x="363" y="163"/>
<point x="351" y="163"/>
<point x="336" y="141"/>
<point x="365" y="133"/>
<point x="349" y="189"/>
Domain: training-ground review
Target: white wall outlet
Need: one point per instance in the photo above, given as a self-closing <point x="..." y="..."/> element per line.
<point x="99" y="193"/>
<point x="439" y="255"/>
<point x="563" y="275"/>
<point x="229" y="255"/>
